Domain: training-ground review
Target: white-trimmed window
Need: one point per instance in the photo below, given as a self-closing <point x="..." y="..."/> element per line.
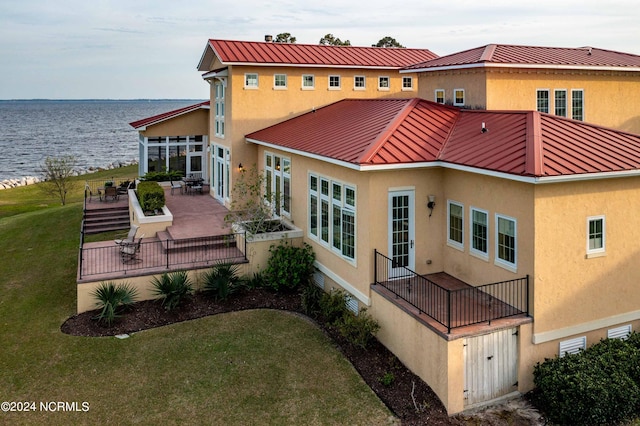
<point x="458" y="97"/>
<point x="506" y="242"/>
<point x="455" y="224"/>
<point x="479" y="231"/>
<point x="407" y="83"/>
<point x="560" y="102"/>
<point x="251" y="81"/>
<point x="577" y="104"/>
<point x="308" y="82"/>
<point x="280" y="81"/>
<point x="334" y="82"/>
<point x="542" y="100"/>
<point x="219" y="109"/>
<point x="332" y="215"/>
<point x="573" y="346"/>
<point x="595" y="235"/>
<point x="359" y="82"/>
<point x="278" y="183"/>
<point x="384" y="83"/>
<point x="439" y="96"/>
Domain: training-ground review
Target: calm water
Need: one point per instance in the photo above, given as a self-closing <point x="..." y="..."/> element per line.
<point x="97" y="132"/>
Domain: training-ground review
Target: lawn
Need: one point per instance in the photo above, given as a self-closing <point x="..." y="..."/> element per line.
<point x="252" y="367"/>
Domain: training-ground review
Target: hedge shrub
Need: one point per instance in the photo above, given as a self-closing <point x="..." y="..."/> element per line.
<point x="600" y="385"/>
<point x="150" y="196"/>
<point x="289" y="266"/>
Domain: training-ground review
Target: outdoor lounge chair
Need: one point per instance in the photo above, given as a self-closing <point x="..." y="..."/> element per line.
<point x="129" y="251"/>
<point x="176" y="185"/>
<point x="111" y="191"/>
<point x="130" y="237"/>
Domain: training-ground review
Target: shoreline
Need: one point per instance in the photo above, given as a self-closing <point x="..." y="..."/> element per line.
<point x="30" y="180"/>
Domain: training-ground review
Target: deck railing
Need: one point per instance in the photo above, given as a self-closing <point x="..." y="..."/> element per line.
<point x="453" y="308"/>
<point x="157" y="255"/>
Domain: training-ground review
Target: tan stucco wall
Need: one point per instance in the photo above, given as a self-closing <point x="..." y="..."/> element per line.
<point x="571" y="289"/>
<point x="607" y="95"/>
<point x="438" y="362"/>
<point x="191" y="124"/>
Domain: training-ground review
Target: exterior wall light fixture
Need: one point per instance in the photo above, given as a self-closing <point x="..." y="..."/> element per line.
<point x="431" y="204"/>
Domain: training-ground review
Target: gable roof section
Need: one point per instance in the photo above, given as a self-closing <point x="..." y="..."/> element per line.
<point x="366" y="131"/>
<point x="385" y="133"/>
<point x="504" y="55"/>
<point x="142" y="124"/>
<point x="231" y="52"/>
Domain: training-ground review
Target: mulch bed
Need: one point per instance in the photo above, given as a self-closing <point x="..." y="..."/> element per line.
<point x="411" y="399"/>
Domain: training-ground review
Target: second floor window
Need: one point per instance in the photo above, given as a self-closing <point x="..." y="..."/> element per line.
<point x="334" y="82"/>
<point x="251" y="81"/>
<point x="542" y="101"/>
<point x="383" y="83"/>
<point x="560" y="98"/>
<point x="506" y="241"/>
<point x="359" y="82"/>
<point x="280" y="81"/>
<point x="479" y="232"/>
<point x="407" y="83"/>
<point x="458" y="97"/>
<point x="456" y="230"/>
<point x="439" y="96"/>
<point x="219" y="109"/>
<point x="595" y="235"/>
<point x="308" y="82"/>
<point x="577" y="105"/>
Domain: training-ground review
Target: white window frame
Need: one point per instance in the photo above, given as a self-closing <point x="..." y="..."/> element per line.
<point x="249" y="81"/>
<point x="277" y="173"/>
<point x="407" y="84"/>
<point x="311" y="78"/>
<point x="347" y="207"/>
<point x="472" y="236"/>
<point x="511" y="266"/>
<point x="219" y="106"/>
<point x="555" y="102"/>
<point x="455" y="97"/>
<point x="355" y="82"/>
<point x="275" y="82"/>
<point x="598" y="251"/>
<point x="384" y="86"/>
<point x="451" y="242"/>
<point x="339" y="80"/>
<point x="539" y="99"/>
<point x="573" y="107"/>
<point x="436" y="97"/>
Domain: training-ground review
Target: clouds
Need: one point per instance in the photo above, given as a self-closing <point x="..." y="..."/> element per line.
<point x="149" y="49"/>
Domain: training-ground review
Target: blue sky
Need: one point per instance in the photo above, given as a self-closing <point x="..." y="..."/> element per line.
<point x="128" y="49"/>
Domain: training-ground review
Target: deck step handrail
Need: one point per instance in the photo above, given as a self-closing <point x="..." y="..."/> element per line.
<point x="453" y="308"/>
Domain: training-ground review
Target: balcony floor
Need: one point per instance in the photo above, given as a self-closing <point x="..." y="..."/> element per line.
<point x="477" y="303"/>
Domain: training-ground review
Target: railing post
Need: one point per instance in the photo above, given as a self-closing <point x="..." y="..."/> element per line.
<point x="168" y="242"/>
<point x="527" y="295"/>
<point x="448" y="311"/>
<point x="375" y="266"/>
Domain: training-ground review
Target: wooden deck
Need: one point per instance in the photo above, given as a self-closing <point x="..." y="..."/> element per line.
<point x="468" y="306"/>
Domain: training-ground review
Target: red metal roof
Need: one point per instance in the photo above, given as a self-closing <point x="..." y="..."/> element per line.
<point x="386" y="132"/>
<point x="249" y="52"/>
<point x="503" y="54"/>
<point x="167" y="115"/>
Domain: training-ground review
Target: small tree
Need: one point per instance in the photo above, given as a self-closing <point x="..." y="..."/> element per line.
<point x="284" y="38"/>
<point x="251" y="205"/>
<point x="330" y="40"/>
<point x="57" y="173"/>
<point x="388" y="42"/>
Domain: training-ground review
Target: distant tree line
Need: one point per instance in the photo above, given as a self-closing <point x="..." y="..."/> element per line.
<point x="331" y="40"/>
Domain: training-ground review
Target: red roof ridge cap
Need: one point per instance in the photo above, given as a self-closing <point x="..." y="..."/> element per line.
<point x="534" y="147"/>
<point x="393" y="124"/>
<point x="488" y="52"/>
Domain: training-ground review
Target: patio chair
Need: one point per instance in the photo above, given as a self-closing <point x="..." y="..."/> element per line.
<point x="111" y="191"/>
<point x="128" y="238"/>
<point x="87" y="190"/>
<point x="129" y="251"/>
<point x="176" y="185"/>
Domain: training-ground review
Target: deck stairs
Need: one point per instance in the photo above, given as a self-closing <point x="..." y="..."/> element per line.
<point x="114" y="218"/>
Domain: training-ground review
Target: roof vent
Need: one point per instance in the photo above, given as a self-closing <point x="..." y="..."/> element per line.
<point x="589" y="52"/>
<point x="484" y="128"/>
<point x="268" y="38"/>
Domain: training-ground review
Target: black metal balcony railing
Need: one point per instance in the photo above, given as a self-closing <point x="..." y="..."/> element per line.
<point x="453" y="308"/>
<point x="163" y="255"/>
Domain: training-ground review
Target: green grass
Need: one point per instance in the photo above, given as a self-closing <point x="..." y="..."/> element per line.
<point x="253" y="367"/>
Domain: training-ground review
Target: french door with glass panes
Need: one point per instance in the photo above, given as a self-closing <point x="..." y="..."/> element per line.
<point x="401" y="232"/>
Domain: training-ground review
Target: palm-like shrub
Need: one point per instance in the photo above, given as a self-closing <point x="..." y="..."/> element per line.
<point x="112" y="299"/>
<point x="222" y="280"/>
<point x="172" y="288"/>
